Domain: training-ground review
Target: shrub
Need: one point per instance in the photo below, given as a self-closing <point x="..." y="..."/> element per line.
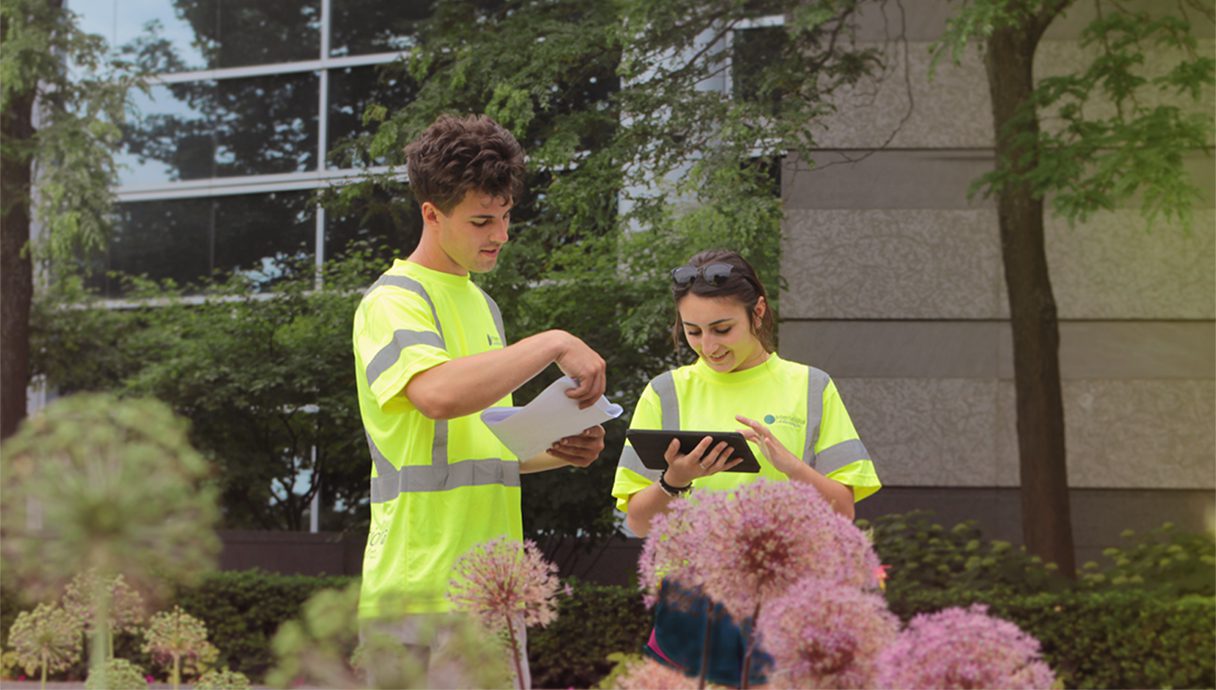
<point x="1163" y="560"/>
<point x="593" y="623"/>
<point x="922" y="554"/>
<point x="1114" y="639"/>
<point x="244" y="609"/>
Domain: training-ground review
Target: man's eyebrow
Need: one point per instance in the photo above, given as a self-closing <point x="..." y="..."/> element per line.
<point x="490" y="216"/>
<point x="712" y="323"/>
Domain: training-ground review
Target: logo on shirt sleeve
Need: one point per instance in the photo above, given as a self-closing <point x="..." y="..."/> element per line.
<point x="493" y="340"/>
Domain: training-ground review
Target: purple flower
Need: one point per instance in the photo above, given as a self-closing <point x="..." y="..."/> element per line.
<point x="501" y="579"/>
<point x="825" y="635"/>
<point x="745" y="547"/>
<point x="963" y="648"/>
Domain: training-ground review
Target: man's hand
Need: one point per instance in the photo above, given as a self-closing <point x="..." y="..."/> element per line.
<point x="584" y="365"/>
<point x="582" y="449"/>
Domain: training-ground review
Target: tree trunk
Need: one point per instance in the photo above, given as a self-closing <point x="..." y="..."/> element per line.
<point x="1046" y="520"/>
<point x="16" y="270"/>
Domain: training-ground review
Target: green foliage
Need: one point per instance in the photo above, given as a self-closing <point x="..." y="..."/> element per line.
<point x="1115" y="639"/>
<point x="1164" y="560"/>
<point x="118" y="489"/>
<point x="262" y="380"/>
<point x="117" y="674"/>
<point x="924" y="555"/>
<point x="327" y="646"/>
<point x="1117" y="129"/>
<point x="243" y="610"/>
<point x="82" y="97"/>
<point x="222" y="679"/>
<point x="46" y="640"/>
<point x="594" y="623"/>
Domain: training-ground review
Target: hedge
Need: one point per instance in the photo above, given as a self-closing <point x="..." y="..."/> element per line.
<point x="592" y="622"/>
<point x="1093" y="639"/>
<point x="243" y="610"/>
<point x="1111" y="639"/>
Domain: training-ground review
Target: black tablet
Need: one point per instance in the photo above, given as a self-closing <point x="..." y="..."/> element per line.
<point x="651" y="444"/>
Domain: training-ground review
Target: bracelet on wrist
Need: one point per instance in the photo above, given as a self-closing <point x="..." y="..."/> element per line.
<point x="670" y="490"/>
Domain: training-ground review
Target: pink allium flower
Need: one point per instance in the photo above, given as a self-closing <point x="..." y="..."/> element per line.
<point x="745" y="547"/>
<point x="825" y="635"/>
<point x="651" y="675"/>
<point x="963" y="648"/>
<point x="501" y="579"/>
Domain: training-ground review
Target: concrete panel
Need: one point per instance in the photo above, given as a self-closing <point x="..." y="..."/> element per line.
<point x="923" y="179"/>
<point x="934" y="432"/>
<point x="889" y="179"/>
<point x="1143" y="434"/>
<point x="1113" y="267"/>
<point x="962" y="432"/>
<point x="926" y="264"/>
<point x="912" y="264"/>
<point x="925" y="20"/>
<point x="904" y="107"/>
<point x="983" y="349"/>
<point x="896" y="349"/>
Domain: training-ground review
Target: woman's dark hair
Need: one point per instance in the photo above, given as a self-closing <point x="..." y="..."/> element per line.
<point x="742" y="285"/>
<point x="456" y="155"/>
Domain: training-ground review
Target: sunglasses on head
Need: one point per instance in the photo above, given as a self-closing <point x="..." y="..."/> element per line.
<point x="711" y="274"/>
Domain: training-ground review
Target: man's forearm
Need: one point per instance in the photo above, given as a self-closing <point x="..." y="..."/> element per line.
<point x="541" y="463"/>
<point x="470" y="384"/>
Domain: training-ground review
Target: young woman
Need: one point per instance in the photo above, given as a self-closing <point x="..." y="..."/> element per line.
<point x="790" y="413"/>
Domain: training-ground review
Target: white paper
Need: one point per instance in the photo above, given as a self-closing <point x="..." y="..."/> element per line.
<point x="529" y="431"/>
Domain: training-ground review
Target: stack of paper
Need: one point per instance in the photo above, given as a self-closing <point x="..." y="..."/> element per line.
<point x="529" y="431"/>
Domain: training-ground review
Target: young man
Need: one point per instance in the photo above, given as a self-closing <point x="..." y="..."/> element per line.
<point x="430" y="354"/>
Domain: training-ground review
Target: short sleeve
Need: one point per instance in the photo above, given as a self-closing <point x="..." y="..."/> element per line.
<point x="631" y="475"/>
<point x="839" y="453"/>
<point x="396" y="338"/>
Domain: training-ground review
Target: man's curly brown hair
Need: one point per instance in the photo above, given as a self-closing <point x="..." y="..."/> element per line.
<point x="456" y="155"/>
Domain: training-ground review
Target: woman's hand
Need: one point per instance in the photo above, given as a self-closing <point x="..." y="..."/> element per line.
<point x="773" y="450"/>
<point x="701" y="461"/>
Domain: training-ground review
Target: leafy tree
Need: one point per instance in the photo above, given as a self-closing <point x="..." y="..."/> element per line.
<point x="1092" y="139"/>
<point x="264" y="380"/>
<point x="49" y="66"/>
<point x="634" y="163"/>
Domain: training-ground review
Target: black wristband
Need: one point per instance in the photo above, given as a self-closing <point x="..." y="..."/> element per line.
<point x="670" y="490"/>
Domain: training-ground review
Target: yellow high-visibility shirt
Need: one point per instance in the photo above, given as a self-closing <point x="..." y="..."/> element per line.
<point x="438" y="488"/>
<point x="800" y="404"/>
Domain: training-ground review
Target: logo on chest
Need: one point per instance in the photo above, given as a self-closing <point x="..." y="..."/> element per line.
<point x="786" y="420"/>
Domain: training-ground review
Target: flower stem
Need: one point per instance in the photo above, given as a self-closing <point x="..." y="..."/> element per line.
<point x="519" y="670"/>
<point x="709" y="616"/>
<point x="44" y="662"/>
<point x="744" y="682"/>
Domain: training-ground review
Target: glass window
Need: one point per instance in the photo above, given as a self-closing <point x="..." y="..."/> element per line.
<point x="359" y="27"/>
<point x="388" y="222"/>
<point x="202" y="129"/>
<point x="208" y="34"/>
<point x="350" y="92"/>
<point x="753" y="51"/>
<point x="187" y="240"/>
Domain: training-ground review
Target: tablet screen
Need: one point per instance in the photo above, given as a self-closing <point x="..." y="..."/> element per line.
<point x="651" y="444"/>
